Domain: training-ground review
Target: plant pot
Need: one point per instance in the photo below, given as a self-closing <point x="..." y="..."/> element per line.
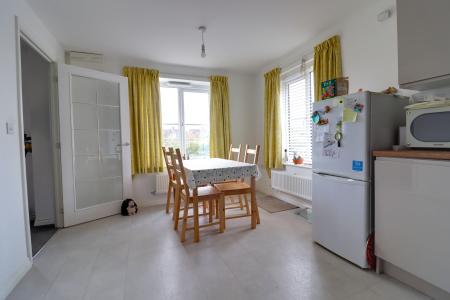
<point x="297" y="161"/>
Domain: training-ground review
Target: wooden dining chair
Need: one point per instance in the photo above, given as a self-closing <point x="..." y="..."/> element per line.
<point x="194" y="196"/>
<point x="240" y="187"/>
<point x="171" y="175"/>
<point x="172" y="187"/>
<point x="235" y="153"/>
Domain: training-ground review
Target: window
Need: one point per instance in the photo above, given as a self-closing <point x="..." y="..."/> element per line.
<point x="297" y="99"/>
<point x="185" y="117"/>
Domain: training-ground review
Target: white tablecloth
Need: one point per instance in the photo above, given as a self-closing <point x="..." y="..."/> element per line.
<point x="213" y="170"/>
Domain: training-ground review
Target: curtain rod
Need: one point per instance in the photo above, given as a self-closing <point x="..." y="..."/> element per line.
<point x="290" y="68"/>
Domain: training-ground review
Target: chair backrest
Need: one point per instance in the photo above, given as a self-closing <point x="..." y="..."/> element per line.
<point x="169" y="165"/>
<point x="235" y="153"/>
<point x="178" y="168"/>
<point x="249" y="153"/>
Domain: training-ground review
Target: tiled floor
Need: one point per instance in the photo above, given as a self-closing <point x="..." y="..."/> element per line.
<point x="141" y="257"/>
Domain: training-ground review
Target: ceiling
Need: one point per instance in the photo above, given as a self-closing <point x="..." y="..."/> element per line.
<point x="242" y="35"/>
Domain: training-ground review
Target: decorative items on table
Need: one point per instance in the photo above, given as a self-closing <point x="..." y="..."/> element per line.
<point x="334" y="87"/>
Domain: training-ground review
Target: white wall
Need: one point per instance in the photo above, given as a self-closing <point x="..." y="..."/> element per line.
<point x="241" y="93"/>
<point x="36" y="97"/>
<point x="14" y="261"/>
<point x="369" y="57"/>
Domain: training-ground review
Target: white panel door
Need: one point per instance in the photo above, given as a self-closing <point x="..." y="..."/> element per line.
<point x="340" y="219"/>
<point x="351" y="159"/>
<point x="95" y="143"/>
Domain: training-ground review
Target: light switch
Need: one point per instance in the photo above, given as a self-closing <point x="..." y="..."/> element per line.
<point x="10" y="129"/>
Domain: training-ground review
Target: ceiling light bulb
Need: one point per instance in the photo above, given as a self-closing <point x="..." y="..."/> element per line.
<point x="203" y="48"/>
<point x="203" y="54"/>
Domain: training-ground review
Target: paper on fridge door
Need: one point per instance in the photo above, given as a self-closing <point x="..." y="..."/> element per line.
<point x="330" y="148"/>
<point x="321" y="131"/>
<point x="349" y="116"/>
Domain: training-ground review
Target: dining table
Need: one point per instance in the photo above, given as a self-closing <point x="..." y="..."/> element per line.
<point x="201" y="172"/>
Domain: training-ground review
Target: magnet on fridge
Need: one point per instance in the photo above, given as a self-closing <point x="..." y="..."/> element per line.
<point x="338" y="138"/>
<point x="338" y="101"/>
<point x="358" y="107"/>
<point x="315" y="117"/>
<point x="357" y="165"/>
<point x="323" y="121"/>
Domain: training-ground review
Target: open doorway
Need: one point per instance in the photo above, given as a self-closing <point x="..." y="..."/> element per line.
<point x="36" y="100"/>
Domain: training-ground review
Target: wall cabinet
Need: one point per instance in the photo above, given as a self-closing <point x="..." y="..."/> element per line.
<point x="412" y="217"/>
<point x="423" y="43"/>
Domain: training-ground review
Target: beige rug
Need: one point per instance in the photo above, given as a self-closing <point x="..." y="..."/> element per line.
<point x="273" y="205"/>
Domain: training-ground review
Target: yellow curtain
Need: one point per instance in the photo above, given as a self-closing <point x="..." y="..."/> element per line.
<point x="145" y="120"/>
<point x="327" y="62"/>
<point x="272" y="120"/>
<point x="220" y="135"/>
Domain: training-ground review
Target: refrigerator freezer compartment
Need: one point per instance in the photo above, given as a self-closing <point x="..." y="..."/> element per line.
<point x="340" y="220"/>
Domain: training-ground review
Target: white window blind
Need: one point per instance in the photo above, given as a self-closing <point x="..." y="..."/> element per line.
<point x="297" y="95"/>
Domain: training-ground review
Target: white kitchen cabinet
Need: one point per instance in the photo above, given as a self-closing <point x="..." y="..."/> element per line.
<point x="412" y="217"/>
<point x="423" y="43"/>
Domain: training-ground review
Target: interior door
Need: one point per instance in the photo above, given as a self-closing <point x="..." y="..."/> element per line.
<point x="95" y="143"/>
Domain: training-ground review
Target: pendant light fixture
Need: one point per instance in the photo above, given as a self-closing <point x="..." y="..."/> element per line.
<point x="203" y="49"/>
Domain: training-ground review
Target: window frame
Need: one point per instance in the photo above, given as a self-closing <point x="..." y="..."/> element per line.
<point x="304" y="71"/>
<point x="181" y="89"/>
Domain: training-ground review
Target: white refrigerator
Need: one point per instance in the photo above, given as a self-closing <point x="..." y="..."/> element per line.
<point x="345" y="132"/>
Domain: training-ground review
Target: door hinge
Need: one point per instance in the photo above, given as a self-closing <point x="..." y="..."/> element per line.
<point x="58" y="145"/>
<point x="61" y="210"/>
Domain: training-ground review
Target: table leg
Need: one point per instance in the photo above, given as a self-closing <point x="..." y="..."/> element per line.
<point x="254" y="208"/>
<point x="196" y="220"/>
<point x="257" y="212"/>
<point x="217" y="209"/>
<point x="210" y="210"/>
<point x="221" y="205"/>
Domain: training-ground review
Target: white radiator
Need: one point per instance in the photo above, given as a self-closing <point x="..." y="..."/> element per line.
<point x="162" y="183"/>
<point x="296" y="185"/>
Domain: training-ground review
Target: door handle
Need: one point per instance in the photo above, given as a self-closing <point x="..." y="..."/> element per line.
<point x="123" y="145"/>
<point x="336" y="178"/>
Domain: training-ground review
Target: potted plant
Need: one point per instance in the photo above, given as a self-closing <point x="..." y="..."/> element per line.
<point x="297" y="160"/>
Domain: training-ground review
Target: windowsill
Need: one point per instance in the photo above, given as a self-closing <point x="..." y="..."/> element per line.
<point x="304" y="166"/>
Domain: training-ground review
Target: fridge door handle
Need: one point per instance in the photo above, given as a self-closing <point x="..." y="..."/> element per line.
<point x="339" y="179"/>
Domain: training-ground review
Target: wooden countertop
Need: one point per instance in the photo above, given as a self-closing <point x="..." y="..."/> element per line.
<point x="421" y="154"/>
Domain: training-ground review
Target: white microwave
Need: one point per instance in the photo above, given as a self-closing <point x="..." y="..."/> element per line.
<point x="428" y="127"/>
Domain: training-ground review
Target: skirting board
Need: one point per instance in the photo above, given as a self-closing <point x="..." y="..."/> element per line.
<point x="42" y="222"/>
<point x="415" y="282"/>
<point x="156" y="199"/>
<point x="291" y="199"/>
<point x="14" y="280"/>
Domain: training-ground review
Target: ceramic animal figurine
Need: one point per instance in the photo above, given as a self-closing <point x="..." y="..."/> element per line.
<point x="129" y="207"/>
